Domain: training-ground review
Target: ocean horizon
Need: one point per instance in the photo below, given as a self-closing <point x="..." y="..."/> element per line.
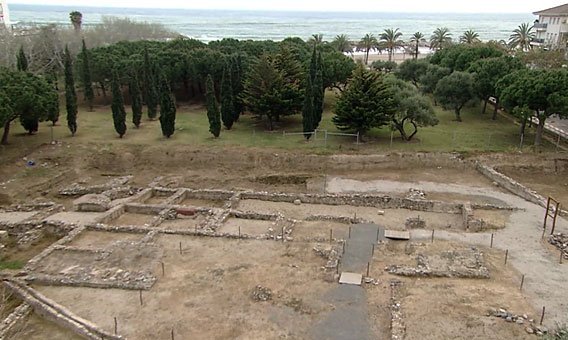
<point x="208" y="25"/>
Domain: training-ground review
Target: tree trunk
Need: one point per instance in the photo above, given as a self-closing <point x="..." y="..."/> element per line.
<point x="400" y="128"/>
<point x="367" y="57"/>
<point x="415" y="130"/>
<point x="269" y="123"/>
<point x="539" y="131"/>
<point x="484" y="106"/>
<point x="6" y="132"/>
<point x="523" y="125"/>
<point x="496" y="110"/>
<point x="103" y="89"/>
<point x="416" y="52"/>
<point x="458" y="115"/>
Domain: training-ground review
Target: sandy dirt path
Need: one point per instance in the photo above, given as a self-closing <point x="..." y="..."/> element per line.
<point x="545" y="277"/>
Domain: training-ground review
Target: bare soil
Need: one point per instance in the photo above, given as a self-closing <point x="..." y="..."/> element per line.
<point x="544" y="181"/>
<point x="211" y="285"/>
<point x="37" y="328"/>
<point x="246" y="227"/>
<point x="184" y="223"/>
<point x="102" y="239"/>
<point x="25" y="252"/>
<point x="194" y="202"/>
<point x="131" y="219"/>
<point x="309" y="230"/>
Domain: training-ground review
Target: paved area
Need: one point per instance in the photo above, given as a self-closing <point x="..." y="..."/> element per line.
<point x="350" y="316"/>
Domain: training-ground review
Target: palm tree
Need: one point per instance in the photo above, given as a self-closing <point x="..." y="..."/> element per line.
<point x="521" y="37"/>
<point x="440" y="38"/>
<point x="342" y="44"/>
<point x="390" y="40"/>
<point x="469" y="37"/>
<point x="367" y="43"/>
<point x="416" y="39"/>
<point x="316" y="39"/>
<point x="76" y="19"/>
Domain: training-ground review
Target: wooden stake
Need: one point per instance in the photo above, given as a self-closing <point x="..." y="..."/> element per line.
<point x="163" y="269"/>
<point x="373" y="253"/>
<point x="492" y="236"/>
<point x="542" y="316"/>
<point x="141" y="301"/>
<point x="378" y="231"/>
<point x="522" y="281"/>
<point x="180" y="251"/>
<point x="115" y="326"/>
<point x="349" y="232"/>
<point x="506" y="256"/>
<point x="343" y="247"/>
<point x="239" y="231"/>
<point x="433" y="235"/>
<point x="283" y="236"/>
<point x="561" y="256"/>
<point x="172" y="334"/>
<point x="368" y="267"/>
<point x="330" y="235"/>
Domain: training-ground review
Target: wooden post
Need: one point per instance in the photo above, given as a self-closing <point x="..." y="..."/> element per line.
<point x="492" y="236"/>
<point x="547" y="210"/>
<point x="180" y="251"/>
<point x="141" y="301"/>
<point x="378" y="232"/>
<point x="373" y="253"/>
<point x="506" y="256"/>
<point x="522" y="281"/>
<point x="239" y="231"/>
<point x="561" y="256"/>
<point x="343" y="247"/>
<point x="433" y="235"/>
<point x="115" y="326"/>
<point x="368" y="267"/>
<point x="173" y="334"/>
<point x="163" y="269"/>
<point x="330" y="235"/>
<point x="554" y="219"/>
<point x="283" y="235"/>
<point x="542" y="316"/>
<point x="349" y="232"/>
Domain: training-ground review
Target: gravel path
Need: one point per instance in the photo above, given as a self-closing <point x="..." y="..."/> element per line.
<point x="546" y="279"/>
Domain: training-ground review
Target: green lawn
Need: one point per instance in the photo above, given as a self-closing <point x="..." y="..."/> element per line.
<point x="477" y="132"/>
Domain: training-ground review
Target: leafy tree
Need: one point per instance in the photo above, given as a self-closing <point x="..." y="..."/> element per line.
<point x="212" y="109"/>
<point x="429" y="80"/>
<point x="542" y="58"/>
<point x="342" y="44"/>
<point x="76" y="20"/>
<point x="522" y="37"/>
<point x="117" y="106"/>
<point x="316" y="39"/>
<point x="308" y="112"/>
<point x="384" y="66"/>
<point x="22" y="60"/>
<point x="487" y="72"/>
<point x="337" y="69"/>
<point x="167" y="108"/>
<point x="544" y="92"/>
<point x="26" y="97"/>
<point x="470" y="37"/>
<point x="454" y="91"/>
<point x="412" y="70"/>
<point x="366" y="103"/>
<point x="416" y="39"/>
<point x="266" y="91"/>
<point x="53" y="106"/>
<point x="237" y="81"/>
<point x="227" y="105"/>
<point x="70" y="94"/>
<point x="412" y="108"/>
<point x="319" y="92"/>
<point x="151" y="95"/>
<point x="366" y="44"/>
<point x="86" y="76"/>
<point x="390" y="41"/>
<point x="441" y="38"/>
<point x="460" y="57"/>
<point x="136" y="95"/>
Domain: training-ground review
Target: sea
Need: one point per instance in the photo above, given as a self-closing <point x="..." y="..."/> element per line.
<point x="208" y="25"/>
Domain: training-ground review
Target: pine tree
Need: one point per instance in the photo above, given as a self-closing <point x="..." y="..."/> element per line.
<point x="22" y="60"/>
<point x="227" y="107"/>
<point x="70" y="94"/>
<point x="237" y="81"/>
<point x="319" y="92"/>
<point x="308" y="109"/>
<point x="151" y="93"/>
<point x="167" y="108"/>
<point x="212" y="108"/>
<point x="136" y="95"/>
<point x="86" y="76"/>
<point x="117" y="106"/>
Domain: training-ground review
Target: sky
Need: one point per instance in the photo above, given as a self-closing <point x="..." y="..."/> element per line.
<point x="452" y="6"/>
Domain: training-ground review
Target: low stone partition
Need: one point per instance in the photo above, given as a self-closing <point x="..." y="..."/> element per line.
<point x="33" y="263"/>
<point x="113" y="214"/>
<point x="514" y="186"/>
<point x="142" y="281"/>
<point x="77" y="189"/>
<point x="398" y="328"/>
<point x="144" y="209"/>
<point x="251" y="215"/>
<point x="338" y="219"/>
<point x="14" y="323"/>
<point x="60" y="315"/>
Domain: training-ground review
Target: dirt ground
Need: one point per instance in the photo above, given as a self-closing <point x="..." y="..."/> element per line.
<point x="102" y="239"/>
<point x="436" y="308"/>
<point x="131" y="219"/>
<point x="546" y="183"/>
<point x="211" y="285"/>
<point x="37" y="328"/>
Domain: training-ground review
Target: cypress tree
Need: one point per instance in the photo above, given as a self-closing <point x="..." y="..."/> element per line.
<point x="167" y="108"/>
<point x="70" y="94"/>
<point x="117" y="106"/>
<point x="22" y="60"/>
<point x="212" y="109"/>
<point x="151" y="93"/>
<point x="237" y="81"/>
<point x="136" y="95"/>
<point x="308" y="109"/>
<point x="318" y="92"/>
<point x="53" y="107"/>
<point x="227" y="107"/>
<point x="86" y="76"/>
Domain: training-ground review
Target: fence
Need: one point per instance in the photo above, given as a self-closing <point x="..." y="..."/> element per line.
<point x="316" y="136"/>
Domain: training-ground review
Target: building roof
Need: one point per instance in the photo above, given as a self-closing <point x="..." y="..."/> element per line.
<point x="558" y="10"/>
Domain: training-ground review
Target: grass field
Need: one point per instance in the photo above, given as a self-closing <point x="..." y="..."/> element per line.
<point x="477" y="132"/>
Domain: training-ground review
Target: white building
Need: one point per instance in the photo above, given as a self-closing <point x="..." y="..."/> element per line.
<point x="551" y="27"/>
<point x="4" y="14"/>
